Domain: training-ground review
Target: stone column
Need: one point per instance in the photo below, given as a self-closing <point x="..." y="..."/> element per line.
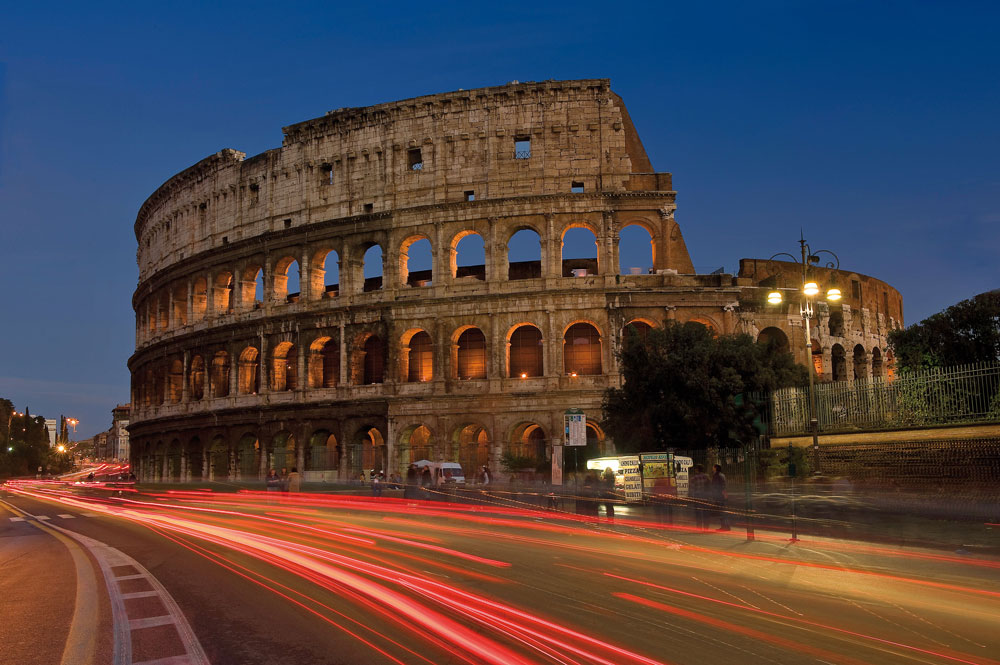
<point x="302" y="377"/>
<point x="551" y="249"/>
<point x="345" y="362"/>
<point x="262" y="369"/>
<point x="186" y="378"/>
<point x="234" y="373"/>
<point x="305" y="277"/>
<point x="190" y="301"/>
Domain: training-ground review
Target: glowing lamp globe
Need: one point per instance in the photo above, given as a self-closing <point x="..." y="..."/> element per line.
<point x="774" y="297"/>
<point x="833" y="294"/>
<point x="810" y="288"/>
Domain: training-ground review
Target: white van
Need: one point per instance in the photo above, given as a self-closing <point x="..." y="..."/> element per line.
<point x="451" y="472"/>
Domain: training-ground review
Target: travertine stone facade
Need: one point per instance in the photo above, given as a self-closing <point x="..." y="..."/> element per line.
<point x="480" y="354"/>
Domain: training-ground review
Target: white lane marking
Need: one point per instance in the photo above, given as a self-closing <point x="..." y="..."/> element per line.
<point x="91" y="515"/>
<point x="67" y="516"/>
<point x="139" y="594"/>
<point x="150" y="622"/>
<point x="169" y="660"/>
<point x="16" y="519"/>
<point x="129" y="577"/>
<point x="42" y="517"/>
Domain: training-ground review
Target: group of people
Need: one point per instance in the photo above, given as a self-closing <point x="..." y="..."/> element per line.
<point x="709" y="495"/>
<point x="286" y="482"/>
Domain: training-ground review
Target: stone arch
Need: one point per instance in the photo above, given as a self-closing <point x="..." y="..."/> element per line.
<point x="196" y="375"/>
<point x="838" y="359"/>
<point x="219" y="379"/>
<point x="163" y="311"/>
<point x="178" y="304"/>
<point x="469" y="353"/>
<point x="416" y="442"/>
<point x="285" y="280"/>
<point x="367" y="451"/>
<point x="467" y="255"/>
<point x="836" y="323"/>
<point x="372" y="267"/>
<point x="175" y="381"/>
<point x="576" y="259"/>
<point x="252" y="286"/>
<point x="775" y="336"/>
<point x="414" y="253"/>
<point x="324" y="275"/>
<point x="284" y="367"/>
<point x="249" y="374"/>
<point x="525" y="351"/>
<point x="248" y="457"/>
<point x="524" y="243"/>
<point x="324" y="363"/>
<point x="582" y="349"/>
<point x="416" y="356"/>
<point x="708" y="322"/>
<point x="528" y="439"/>
<point x="222" y="293"/>
<point x="877" y="366"/>
<point x="218" y="461"/>
<point x="636" y="248"/>
<point x="324" y="451"/>
<point x="860" y="365"/>
<point x="472" y="442"/>
<point x="368" y="361"/>
<point x="199" y="298"/>
<point x="174" y="454"/>
<point x="281" y="454"/>
<point x="637" y="330"/>
<point x="195" y="451"/>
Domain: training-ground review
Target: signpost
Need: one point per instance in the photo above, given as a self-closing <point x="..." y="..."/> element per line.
<point x="575" y="433"/>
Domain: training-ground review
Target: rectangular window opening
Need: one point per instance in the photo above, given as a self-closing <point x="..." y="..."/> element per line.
<point x="288" y="223"/>
<point x="414" y="159"/>
<point x="576" y="188"/>
<point x="522" y="147"/>
<point x="470" y="195"/>
<point x="369" y="207"/>
<point x="856" y="289"/>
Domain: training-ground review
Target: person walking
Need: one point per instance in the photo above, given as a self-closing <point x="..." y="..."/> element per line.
<point x="410" y="488"/>
<point x="484" y="476"/>
<point x="719" y="496"/>
<point x="294" y="480"/>
<point x="700" y="491"/>
<point x="284" y="479"/>
<point x="376" y="483"/>
<point x="608" y="482"/>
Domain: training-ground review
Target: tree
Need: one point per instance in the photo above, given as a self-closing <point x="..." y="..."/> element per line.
<point x="967" y="332"/>
<point x="683" y="388"/>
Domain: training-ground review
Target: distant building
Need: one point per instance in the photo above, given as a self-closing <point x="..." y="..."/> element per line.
<point x="52" y="425"/>
<point x="118" y="446"/>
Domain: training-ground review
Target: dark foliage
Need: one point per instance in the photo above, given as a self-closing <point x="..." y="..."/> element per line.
<point x="967" y="332"/>
<point x="684" y="388"/>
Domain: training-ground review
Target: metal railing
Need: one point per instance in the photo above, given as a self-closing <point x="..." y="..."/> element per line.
<point x="936" y="396"/>
<point x="522" y="154"/>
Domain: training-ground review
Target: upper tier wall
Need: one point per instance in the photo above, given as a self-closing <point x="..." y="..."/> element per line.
<point x="361" y="160"/>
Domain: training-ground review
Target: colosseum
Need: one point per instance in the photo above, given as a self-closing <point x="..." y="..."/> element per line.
<point x="399" y="282"/>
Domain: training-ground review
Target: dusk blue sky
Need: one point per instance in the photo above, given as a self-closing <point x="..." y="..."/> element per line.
<point x="873" y="126"/>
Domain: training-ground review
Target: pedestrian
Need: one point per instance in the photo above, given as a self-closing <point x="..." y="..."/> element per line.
<point x="376" y="483"/>
<point x="294" y="480"/>
<point x="284" y="479"/>
<point x="484" y="475"/>
<point x="720" y="496"/>
<point x="425" y="482"/>
<point x="699" y="491"/>
<point x="273" y="481"/>
<point x="608" y="482"/>
<point x="410" y="489"/>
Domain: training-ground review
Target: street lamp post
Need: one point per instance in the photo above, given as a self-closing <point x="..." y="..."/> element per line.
<point x="807" y="292"/>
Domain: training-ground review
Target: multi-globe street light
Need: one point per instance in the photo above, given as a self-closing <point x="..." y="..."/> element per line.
<point x="808" y="291"/>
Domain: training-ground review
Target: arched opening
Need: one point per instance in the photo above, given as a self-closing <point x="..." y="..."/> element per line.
<point x="636" y="250"/>
<point x="526" y="352"/>
<point x="284" y="364"/>
<point x="374" y="360"/>
<point x="159" y="383"/>
<point x="173" y="454"/>
<point x="860" y="363"/>
<point x="199" y="298"/>
<point x="175" y="381"/>
<point x="163" y="311"/>
<point x="324" y="277"/>
<point x="419" y="357"/>
<point x="838" y="358"/>
<point x="324" y="452"/>
<point x="579" y="252"/>
<point x="468" y="256"/>
<point x="836" y="323"/>
<point x="471" y="354"/>
<point x="252" y="287"/>
<point x="524" y="255"/>
<point x="712" y="327"/>
<point x="415" y="444"/>
<point x="248" y="458"/>
<point x="196" y="389"/>
<point x="372" y="268"/>
<point x="178" y="302"/>
<point x="195" y="454"/>
<point x="416" y="262"/>
<point x="324" y="363"/>
<point x="528" y="440"/>
<point x="219" y="460"/>
<point x="582" y="350"/>
<point x="283" y="451"/>
<point x="249" y="376"/>
<point x="575" y="459"/>
<point x="286" y="280"/>
<point x="368" y="452"/>
<point x="890" y="366"/>
<point x="636" y="331"/>
<point x="220" y="374"/>
<point x="877" y="369"/>
<point x="222" y="289"/>
<point x="473" y="445"/>
<point x="774" y="337"/>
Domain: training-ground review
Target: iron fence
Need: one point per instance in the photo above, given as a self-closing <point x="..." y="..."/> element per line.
<point x="937" y="396"/>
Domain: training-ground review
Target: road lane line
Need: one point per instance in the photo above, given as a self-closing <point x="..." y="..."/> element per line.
<point x="81" y="643"/>
<point x="150" y="622"/>
<point x="169" y="660"/>
<point x="118" y="578"/>
<point x="140" y="594"/>
<point x="17" y="519"/>
<point x="67" y="516"/>
<point x="44" y="518"/>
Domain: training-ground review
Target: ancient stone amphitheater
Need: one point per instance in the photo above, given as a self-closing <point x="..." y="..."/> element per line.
<point x="396" y="282"/>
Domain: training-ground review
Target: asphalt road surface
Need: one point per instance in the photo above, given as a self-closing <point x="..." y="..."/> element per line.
<point x="199" y="577"/>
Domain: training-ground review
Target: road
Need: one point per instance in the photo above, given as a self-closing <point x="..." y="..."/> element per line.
<point x="271" y="578"/>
